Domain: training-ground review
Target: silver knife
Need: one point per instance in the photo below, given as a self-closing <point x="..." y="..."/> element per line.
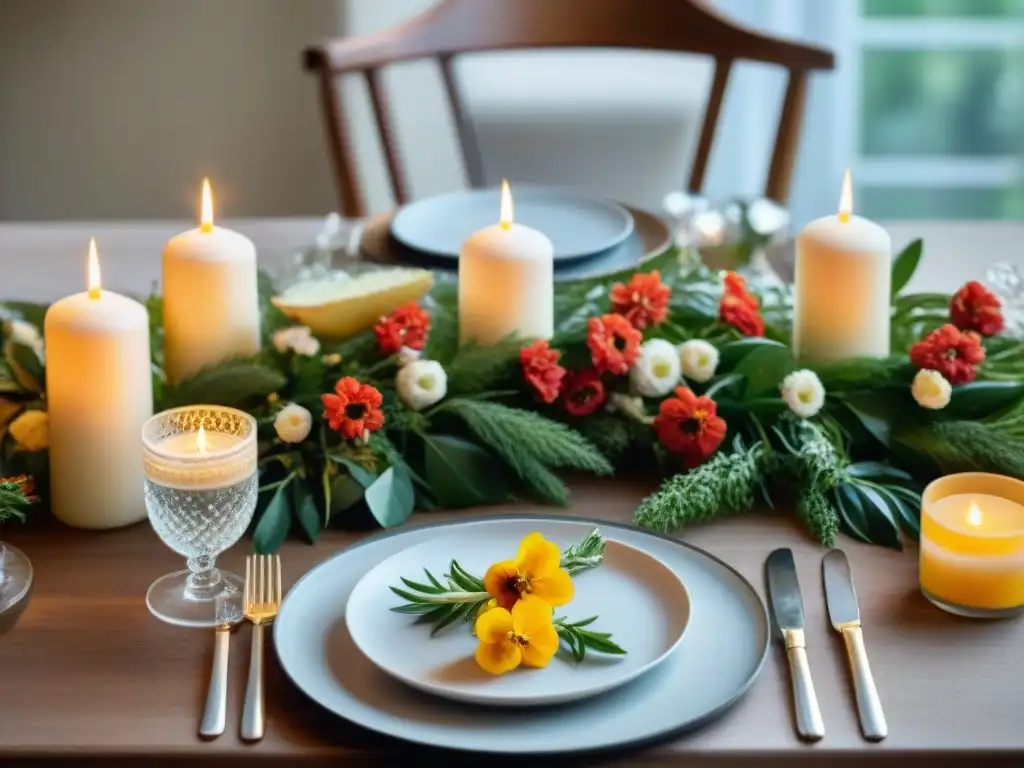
<point x="845" y="617"/>
<point x="215" y="714"/>
<point x="788" y="610"/>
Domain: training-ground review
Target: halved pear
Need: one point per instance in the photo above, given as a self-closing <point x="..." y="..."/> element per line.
<point x="336" y="309"/>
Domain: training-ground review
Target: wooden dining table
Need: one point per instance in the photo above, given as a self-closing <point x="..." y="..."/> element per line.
<point x="88" y="675"/>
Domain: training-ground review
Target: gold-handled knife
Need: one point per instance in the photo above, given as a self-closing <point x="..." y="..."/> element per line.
<point x="788" y="610"/>
<point x="844" y="614"/>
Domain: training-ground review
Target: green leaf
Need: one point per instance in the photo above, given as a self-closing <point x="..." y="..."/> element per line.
<point x="731" y="353"/>
<point x="982" y="398"/>
<point x="26" y="367"/>
<point x="851" y="512"/>
<point x="476" y="368"/>
<point x="233" y="384"/>
<point x="462" y="474"/>
<point x="882" y="523"/>
<point x="391" y="498"/>
<point x="304" y="508"/>
<point x="273" y="525"/>
<point x="359" y="473"/>
<point x="346" y="492"/>
<point x="909" y="508"/>
<point x="873" y="413"/>
<point x="905" y="265"/>
<point x="877" y="472"/>
<point x="765" y="368"/>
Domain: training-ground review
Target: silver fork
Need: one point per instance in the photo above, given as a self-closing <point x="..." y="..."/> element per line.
<point x="262" y="600"/>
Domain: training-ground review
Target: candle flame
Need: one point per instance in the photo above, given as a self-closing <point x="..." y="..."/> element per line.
<point x="201" y="439"/>
<point x="846" y="198"/>
<point x="93" y="271"/>
<point x="506" y="205"/>
<point x="206" y="212"/>
<point x="974" y="515"/>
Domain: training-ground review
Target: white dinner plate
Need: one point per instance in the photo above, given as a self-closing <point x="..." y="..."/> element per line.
<point x="719" y="658"/>
<point x="636" y="598"/>
<point x="578" y="226"/>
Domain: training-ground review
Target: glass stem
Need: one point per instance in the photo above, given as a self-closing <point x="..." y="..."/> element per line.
<point x="204" y="580"/>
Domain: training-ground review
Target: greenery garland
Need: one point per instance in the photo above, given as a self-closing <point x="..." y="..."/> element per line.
<point x="509" y="418"/>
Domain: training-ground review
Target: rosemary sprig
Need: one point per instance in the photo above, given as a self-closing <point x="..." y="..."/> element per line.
<point x="459" y="594"/>
<point x="579" y="639"/>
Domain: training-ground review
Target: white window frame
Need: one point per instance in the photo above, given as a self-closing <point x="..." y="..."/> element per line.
<point x="855" y="33"/>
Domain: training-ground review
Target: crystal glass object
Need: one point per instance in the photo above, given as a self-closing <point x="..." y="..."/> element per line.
<point x="1007" y="282"/>
<point x="200" y="488"/>
<point x="15" y="583"/>
<point x="338" y="240"/>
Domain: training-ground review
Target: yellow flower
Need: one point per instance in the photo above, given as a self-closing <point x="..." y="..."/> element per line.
<point x="30" y="431"/>
<point x="526" y="635"/>
<point x="535" y="571"/>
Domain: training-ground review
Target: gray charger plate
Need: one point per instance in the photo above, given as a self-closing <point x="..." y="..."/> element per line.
<point x="719" y="658"/>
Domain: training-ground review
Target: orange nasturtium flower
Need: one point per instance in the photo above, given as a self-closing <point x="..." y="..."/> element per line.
<point x="524" y="635"/>
<point x="535" y="571"/>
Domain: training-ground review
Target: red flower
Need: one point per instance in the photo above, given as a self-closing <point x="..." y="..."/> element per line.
<point x="353" y="409"/>
<point x="584" y="393"/>
<point x="643" y="302"/>
<point x="689" y="426"/>
<point x="736" y="287"/>
<point x="26" y="484"/>
<point x="737" y="312"/>
<point x="951" y="352"/>
<point x="975" y="308"/>
<point x="541" y="369"/>
<point x="614" y="343"/>
<point x="405" y="327"/>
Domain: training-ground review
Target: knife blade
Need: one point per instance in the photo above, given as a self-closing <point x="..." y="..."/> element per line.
<point x="844" y="613"/>
<point x="788" y="610"/>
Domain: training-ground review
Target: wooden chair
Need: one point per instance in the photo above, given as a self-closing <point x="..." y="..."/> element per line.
<point x="455" y="27"/>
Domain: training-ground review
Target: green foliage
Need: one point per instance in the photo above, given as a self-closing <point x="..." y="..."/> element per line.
<point x="12" y="501"/>
<point x="235" y="383"/>
<point x="730" y="483"/>
<point x="961" y="446"/>
<point x="476" y="369"/>
<point x="904" y="266"/>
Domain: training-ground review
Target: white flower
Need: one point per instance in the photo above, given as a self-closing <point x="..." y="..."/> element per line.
<point x="699" y="360"/>
<point x="298" y="339"/>
<point x="803" y="393"/>
<point x="293" y="423"/>
<point x="407" y="355"/>
<point x="656" y="370"/>
<point x="931" y="390"/>
<point x="421" y="383"/>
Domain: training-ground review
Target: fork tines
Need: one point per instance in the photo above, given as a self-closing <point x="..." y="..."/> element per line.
<point x="262" y="583"/>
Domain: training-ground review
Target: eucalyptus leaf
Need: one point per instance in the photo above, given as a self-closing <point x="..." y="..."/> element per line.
<point x="346" y="492"/>
<point x="274" y="523"/>
<point x="359" y="473"/>
<point x="905" y="265"/>
<point x="391" y="498"/>
<point x="304" y="508"/>
<point x="462" y="474"/>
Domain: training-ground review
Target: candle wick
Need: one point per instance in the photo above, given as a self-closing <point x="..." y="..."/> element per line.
<point x="206" y="227"/>
<point x="95" y="293"/>
<point x="844" y="216"/>
<point x="506" y="225"/>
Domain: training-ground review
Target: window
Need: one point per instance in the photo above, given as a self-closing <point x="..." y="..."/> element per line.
<point x="932" y="107"/>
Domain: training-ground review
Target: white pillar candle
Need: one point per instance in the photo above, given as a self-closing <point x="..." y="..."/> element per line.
<point x="843" y="278"/>
<point x="99" y="393"/>
<point x="211" y="296"/>
<point x="506" y="281"/>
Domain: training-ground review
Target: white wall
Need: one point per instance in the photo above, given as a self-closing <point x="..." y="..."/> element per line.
<point x="117" y="108"/>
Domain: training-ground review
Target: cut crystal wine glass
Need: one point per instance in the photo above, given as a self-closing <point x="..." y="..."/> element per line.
<point x="201" y="487"/>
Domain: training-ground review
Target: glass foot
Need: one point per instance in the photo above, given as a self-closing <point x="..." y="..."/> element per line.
<point x="169" y="601"/>
<point x="973" y="613"/>
<point x="15" y="584"/>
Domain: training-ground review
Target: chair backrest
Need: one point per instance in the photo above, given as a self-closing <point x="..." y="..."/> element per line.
<point x="455" y="27"/>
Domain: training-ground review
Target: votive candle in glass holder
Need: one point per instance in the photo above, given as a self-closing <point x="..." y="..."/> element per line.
<point x="201" y="486"/>
<point x="972" y="545"/>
